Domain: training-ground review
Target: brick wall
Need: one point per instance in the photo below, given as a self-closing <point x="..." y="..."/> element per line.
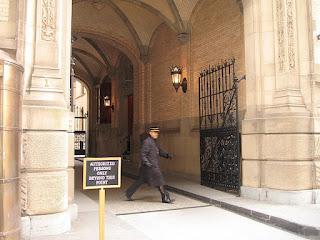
<point x="218" y="34"/>
<point x="165" y="52"/>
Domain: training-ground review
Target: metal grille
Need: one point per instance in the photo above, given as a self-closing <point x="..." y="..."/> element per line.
<point x="219" y="130"/>
<point x="80" y="136"/>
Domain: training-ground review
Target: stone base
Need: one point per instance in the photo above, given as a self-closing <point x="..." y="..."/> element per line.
<point x="73" y="208"/>
<point x="49" y="224"/>
<point x="281" y="196"/>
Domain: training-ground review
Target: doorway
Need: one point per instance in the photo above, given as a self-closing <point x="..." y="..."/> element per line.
<point x="80" y="119"/>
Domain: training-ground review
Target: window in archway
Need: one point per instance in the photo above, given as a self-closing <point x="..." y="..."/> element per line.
<point x="103" y="112"/>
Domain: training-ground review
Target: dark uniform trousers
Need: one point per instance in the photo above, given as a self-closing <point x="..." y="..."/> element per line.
<point x="134" y="187"/>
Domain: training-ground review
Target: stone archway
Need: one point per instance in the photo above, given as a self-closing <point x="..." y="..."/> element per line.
<point x="102" y="45"/>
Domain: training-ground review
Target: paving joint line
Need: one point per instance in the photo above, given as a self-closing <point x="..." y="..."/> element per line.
<point x="163" y="210"/>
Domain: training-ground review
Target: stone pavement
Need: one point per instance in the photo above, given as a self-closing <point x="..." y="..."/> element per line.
<point x="146" y="199"/>
<point x="303" y="220"/>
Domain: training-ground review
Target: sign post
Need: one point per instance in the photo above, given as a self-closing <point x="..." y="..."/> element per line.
<point x="102" y="201"/>
<point x="101" y="173"/>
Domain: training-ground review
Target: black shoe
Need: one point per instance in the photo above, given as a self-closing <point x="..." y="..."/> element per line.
<point x="168" y="200"/>
<point x="128" y="197"/>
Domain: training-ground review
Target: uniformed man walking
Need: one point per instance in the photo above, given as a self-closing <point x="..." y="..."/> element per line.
<point x="150" y="172"/>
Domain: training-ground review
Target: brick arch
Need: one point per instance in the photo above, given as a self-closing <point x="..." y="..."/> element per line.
<point x="120" y="58"/>
<point x="77" y="50"/>
<point x="201" y="2"/>
<point x="128" y="49"/>
<point x="148" y="7"/>
<point x="87" y="84"/>
<point x="155" y="34"/>
<point x="85" y="79"/>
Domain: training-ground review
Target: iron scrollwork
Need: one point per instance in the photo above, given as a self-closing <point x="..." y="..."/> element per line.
<point x="219" y="130"/>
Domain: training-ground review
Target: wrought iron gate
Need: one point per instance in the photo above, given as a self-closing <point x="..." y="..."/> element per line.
<point x="219" y="130"/>
<point x="80" y="136"/>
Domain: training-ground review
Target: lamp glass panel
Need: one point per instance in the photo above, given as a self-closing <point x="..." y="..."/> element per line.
<point x="176" y="78"/>
<point x="107" y="101"/>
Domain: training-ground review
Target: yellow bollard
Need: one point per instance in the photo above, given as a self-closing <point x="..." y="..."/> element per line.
<point x="102" y="202"/>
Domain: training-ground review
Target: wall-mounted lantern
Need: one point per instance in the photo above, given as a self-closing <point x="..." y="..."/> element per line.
<point x="107" y="102"/>
<point x="176" y="79"/>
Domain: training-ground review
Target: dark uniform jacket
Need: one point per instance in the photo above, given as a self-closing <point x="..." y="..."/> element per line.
<point x="150" y="153"/>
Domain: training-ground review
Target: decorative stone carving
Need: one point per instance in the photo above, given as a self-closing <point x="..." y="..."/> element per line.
<point x="317" y="165"/>
<point x="285" y="43"/>
<point x="317" y="156"/>
<point x="99" y="4"/>
<point x="24" y="188"/>
<point x="290" y="28"/>
<point x="280" y="33"/>
<point x="145" y="58"/>
<point x="184" y="37"/>
<point x="48" y="19"/>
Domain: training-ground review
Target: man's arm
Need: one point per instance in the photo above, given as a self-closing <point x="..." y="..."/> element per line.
<point x="164" y="154"/>
<point x="144" y="154"/>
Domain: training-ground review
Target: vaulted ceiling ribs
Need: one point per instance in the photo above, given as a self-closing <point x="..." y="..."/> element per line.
<point x="84" y="54"/>
<point x="136" y="21"/>
<point x="85" y="66"/>
<point x="165" y="11"/>
<point x="97" y="60"/>
<point x="101" y="53"/>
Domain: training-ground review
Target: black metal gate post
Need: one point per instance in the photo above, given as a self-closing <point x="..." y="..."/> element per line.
<point x="219" y="127"/>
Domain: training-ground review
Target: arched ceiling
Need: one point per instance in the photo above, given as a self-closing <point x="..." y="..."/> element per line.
<point x="148" y="14"/>
<point x="132" y="21"/>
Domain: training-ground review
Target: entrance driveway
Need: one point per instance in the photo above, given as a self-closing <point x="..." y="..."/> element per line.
<point x="148" y="218"/>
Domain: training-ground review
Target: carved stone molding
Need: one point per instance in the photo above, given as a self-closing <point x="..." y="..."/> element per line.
<point x="285" y="34"/>
<point x="280" y="34"/>
<point x="99" y="4"/>
<point x="184" y="37"/>
<point x="290" y="30"/>
<point x="48" y="20"/>
<point x="145" y="58"/>
<point x="317" y="165"/>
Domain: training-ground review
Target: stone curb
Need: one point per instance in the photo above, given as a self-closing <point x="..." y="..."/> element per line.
<point x="302" y="230"/>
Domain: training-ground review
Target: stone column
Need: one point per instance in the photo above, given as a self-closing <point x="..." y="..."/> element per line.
<point x="45" y="173"/>
<point x="11" y="89"/>
<point x="280" y="123"/>
<point x="314" y="21"/>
